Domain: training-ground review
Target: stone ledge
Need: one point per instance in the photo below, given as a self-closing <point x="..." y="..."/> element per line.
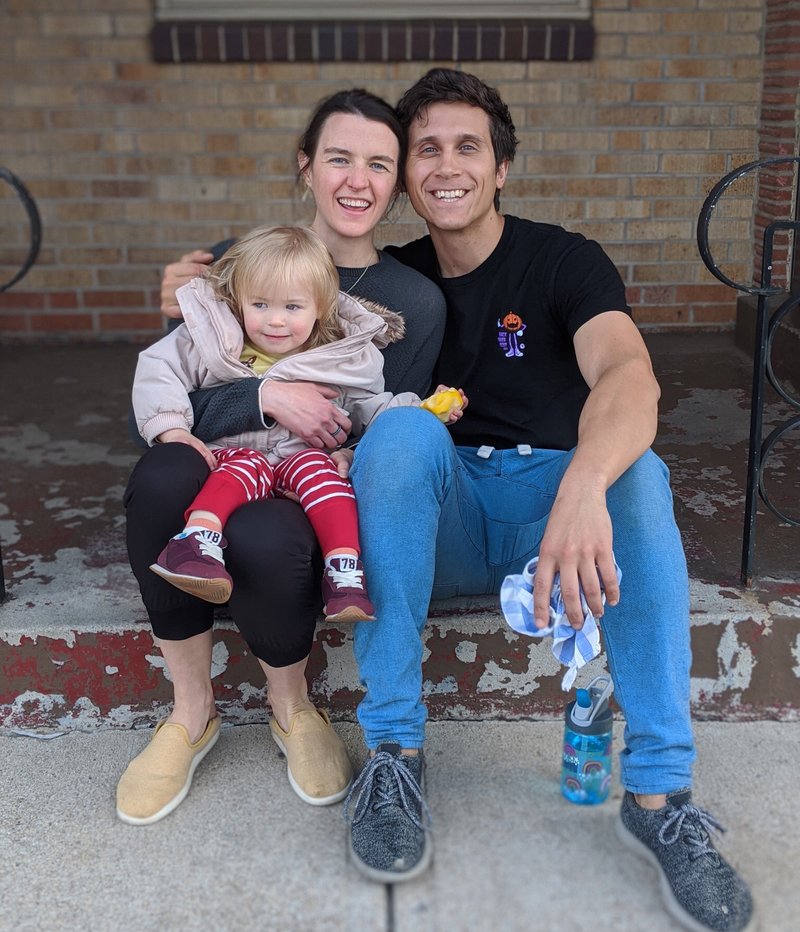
<point x="475" y="668"/>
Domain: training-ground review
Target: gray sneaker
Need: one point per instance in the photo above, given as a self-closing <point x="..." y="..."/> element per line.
<point x="389" y="818"/>
<point x="700" y="889"/>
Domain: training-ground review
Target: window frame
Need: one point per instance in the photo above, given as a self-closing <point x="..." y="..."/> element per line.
<point x="279" y="10"/>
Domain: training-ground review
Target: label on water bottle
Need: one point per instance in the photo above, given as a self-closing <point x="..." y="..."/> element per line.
<point x="586" y="768"/>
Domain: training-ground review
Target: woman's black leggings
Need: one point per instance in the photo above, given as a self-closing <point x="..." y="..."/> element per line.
<point x="272" y="555"/>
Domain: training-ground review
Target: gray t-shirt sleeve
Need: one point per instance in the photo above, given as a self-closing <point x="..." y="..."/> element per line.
<point x="226" y="410"/>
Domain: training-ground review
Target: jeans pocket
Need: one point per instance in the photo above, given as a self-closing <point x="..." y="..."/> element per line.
<point x="445" y="591"/>
<point x="503" y="543"/>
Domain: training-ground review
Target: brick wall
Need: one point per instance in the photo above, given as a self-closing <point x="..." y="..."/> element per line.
<point x="133" y="163"/>
<point x="777" y="196"/>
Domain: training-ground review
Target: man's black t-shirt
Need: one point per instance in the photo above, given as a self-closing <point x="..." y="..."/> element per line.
<point x="510" y="324"/>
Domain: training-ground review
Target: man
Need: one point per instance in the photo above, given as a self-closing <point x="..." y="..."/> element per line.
<point x="578" y="387"/>
<point x="541" y="340"/>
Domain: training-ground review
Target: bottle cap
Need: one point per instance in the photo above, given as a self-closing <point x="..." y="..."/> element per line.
<point x="593" y="700"/>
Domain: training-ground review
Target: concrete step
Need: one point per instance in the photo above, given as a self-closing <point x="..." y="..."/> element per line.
<point x="76" y="649"/>
<point x="79" y="654"/>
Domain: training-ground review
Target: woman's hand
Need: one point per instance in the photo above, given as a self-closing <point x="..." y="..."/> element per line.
<point x="192" y="265"/>
<point x="180" y="435"/>
<point x="305" y="409"/>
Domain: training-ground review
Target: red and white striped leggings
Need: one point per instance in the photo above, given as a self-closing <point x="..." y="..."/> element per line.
<point x="245" y="476"/>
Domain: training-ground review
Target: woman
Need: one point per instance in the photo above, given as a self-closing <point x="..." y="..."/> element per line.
<point x="351" y="157"/>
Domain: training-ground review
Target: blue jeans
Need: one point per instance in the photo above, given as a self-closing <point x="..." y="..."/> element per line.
<point x="438" y="521"/>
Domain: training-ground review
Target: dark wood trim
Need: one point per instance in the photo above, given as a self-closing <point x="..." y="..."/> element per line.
<point x="373" y="41"/>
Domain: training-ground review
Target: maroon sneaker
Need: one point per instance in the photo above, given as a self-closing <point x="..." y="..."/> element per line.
<point x="344" y="594"/>
<point x="193" y="562"/>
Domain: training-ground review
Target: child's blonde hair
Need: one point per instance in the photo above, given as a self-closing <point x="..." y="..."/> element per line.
<point x="281" y="254"/>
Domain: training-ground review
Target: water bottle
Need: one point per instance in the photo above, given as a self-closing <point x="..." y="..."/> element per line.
<point x="588" y="726"/>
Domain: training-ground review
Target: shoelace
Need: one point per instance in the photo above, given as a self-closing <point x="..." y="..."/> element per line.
<point x="350" y="579"/>
<point x="696" y="825"/>
<point x="390" y="782"/>
<point x="207" y="546"/>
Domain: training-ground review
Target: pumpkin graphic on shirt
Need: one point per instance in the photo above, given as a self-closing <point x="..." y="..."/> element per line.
<point x="509" y="333"/>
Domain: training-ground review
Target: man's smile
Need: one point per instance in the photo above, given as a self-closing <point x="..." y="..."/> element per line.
<point x="451" y="195"/>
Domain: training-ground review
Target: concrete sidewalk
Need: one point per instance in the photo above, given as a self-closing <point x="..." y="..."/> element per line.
<point x="244" y="853"/>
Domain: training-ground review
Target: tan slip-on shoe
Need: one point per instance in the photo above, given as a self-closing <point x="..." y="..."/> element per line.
<point x="319" y="769"/>
<point x="157" y="781"/>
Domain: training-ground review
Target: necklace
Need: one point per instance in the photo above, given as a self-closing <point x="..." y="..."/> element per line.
<point x="363" y="273"/>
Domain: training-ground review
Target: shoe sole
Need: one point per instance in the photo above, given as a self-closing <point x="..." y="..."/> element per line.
<point x="674" y="908"/>
<point x="393" y="877"/>
<point x="311" y="800"/>
<point x="217" y="591"/>
<point x="177" y="799"/>
<point x="350" y="614"/>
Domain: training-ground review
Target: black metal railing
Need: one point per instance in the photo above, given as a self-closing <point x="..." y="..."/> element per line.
<point x="768" y="321"/>
<point x="34" y="242"/>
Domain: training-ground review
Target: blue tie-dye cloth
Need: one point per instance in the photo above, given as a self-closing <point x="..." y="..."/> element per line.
<point x="570" y="647"/>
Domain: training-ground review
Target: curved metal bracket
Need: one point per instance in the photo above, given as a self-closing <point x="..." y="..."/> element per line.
<point x="776" y="319"/>
<point x="766" y="451"/>
<point x="707" y="210"/>
<point x="769" y="444"/>
<point x="34" y="221"/>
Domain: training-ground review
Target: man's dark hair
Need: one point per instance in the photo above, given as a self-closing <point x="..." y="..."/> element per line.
<point x="447" y="86"/>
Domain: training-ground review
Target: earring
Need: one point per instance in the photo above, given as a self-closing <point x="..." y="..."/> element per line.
<point x="307" y="191"/>
<point x="303" y="173"/>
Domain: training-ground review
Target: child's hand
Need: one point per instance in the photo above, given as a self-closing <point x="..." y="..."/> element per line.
<point x="457" y="412"/>
<point x="343" y="460"/>
<point x="180" y="435"/>
<point x="446" y="403"/>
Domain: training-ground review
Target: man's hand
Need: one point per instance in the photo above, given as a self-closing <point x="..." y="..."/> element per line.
<point x="577" y="543"/>
<point x="179" y="435"/>
<point x="192" y="265"/>
<point x="305" y="409"/>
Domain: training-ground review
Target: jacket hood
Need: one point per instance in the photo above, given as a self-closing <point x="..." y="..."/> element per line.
<point x="351" y="310"/>
<point x="207" y="316"/>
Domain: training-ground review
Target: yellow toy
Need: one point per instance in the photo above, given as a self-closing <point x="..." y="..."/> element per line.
<point x="443" y="403"/>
